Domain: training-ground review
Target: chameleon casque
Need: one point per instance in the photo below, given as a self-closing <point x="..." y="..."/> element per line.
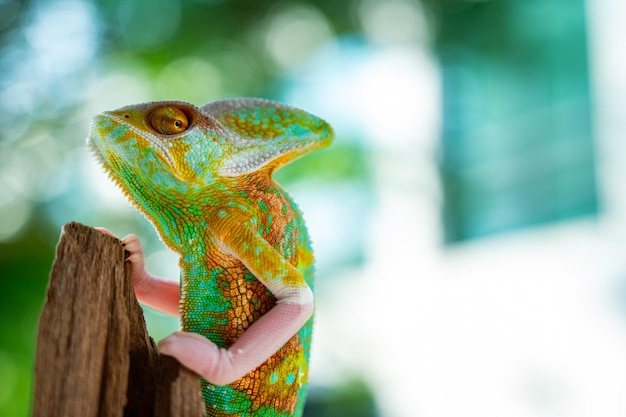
<point x="203" y="177"/>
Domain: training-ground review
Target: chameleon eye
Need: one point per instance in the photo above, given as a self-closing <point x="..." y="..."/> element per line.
<point x="168" y="120"/>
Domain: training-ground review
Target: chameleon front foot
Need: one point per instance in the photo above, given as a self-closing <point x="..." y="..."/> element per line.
<point x="159" y="293"/>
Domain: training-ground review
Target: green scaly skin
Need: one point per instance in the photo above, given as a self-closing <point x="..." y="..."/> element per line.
<point x="203" y="177"/>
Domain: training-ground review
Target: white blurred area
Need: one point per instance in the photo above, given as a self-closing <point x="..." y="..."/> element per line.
<point x="527" y="323"/>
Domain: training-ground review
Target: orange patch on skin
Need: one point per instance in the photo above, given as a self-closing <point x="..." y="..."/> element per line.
<point x="244" y="294"/>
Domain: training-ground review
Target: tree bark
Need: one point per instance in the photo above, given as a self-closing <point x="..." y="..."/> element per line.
<point x="94" y="355"/>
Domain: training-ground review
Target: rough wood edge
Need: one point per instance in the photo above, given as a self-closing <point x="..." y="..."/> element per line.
<point x="94" y="356"/>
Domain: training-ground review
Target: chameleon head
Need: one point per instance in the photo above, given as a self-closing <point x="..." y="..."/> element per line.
<point x="175" y="147"/>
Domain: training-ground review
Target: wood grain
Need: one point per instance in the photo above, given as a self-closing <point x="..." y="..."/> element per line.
<point x="94" y="355"/>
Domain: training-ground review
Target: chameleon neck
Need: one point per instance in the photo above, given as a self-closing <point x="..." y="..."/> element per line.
<point x="184" y="229"/>
<point x="177" y="222"/>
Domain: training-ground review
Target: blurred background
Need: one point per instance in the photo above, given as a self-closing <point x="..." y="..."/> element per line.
<point x="469" y="222"/>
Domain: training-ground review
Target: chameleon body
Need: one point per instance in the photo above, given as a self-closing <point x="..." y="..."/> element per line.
<point x="203" y="177"/>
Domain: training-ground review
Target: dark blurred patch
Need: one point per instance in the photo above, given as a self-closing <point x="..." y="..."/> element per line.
<point x="352" y="399"/>
<point x="10" y="11"/>
<point x="24" y="268"/>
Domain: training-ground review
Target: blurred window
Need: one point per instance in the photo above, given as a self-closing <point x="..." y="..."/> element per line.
<point x="517" y="145"/>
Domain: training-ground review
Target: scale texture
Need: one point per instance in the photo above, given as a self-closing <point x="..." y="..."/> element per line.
<point x="203" y="177"/>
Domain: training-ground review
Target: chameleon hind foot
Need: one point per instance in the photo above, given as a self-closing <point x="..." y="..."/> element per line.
<point x="222" y="366"/>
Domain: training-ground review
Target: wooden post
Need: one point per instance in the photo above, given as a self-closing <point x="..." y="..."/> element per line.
<point x="94" y="355"/>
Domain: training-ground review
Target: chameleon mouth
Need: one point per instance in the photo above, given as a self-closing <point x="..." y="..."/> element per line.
<point x="101" y="133"/>
<point x="97" y="145"/>
<point x="155" y="142"/>
<point x="120" y="147"/>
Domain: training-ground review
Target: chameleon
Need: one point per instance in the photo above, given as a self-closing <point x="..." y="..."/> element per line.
<point x="203" y="177"/>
